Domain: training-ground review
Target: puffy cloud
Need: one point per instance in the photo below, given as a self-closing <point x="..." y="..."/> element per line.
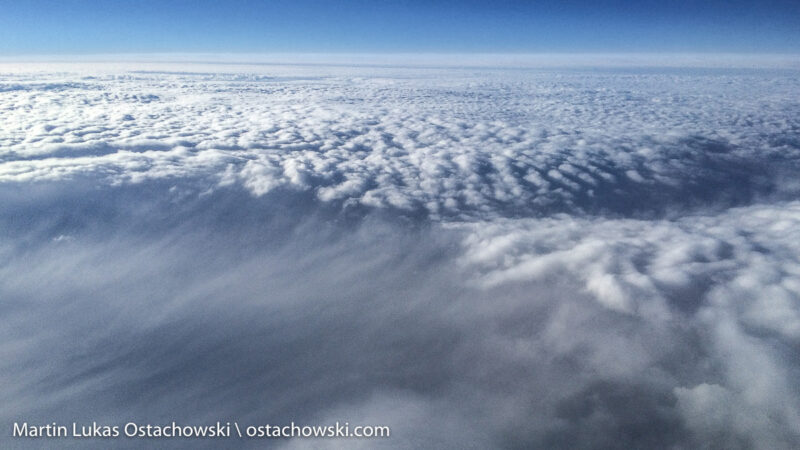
<point x="476" y="145"/>
<point x="732" y="277"/>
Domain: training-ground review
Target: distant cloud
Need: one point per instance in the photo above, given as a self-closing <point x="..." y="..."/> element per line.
<point x="515" y="145"/>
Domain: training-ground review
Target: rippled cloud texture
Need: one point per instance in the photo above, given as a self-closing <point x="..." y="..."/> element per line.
<point x="475" y="257"/>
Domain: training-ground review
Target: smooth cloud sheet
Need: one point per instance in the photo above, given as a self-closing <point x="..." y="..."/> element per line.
<point x="476" y="257"/>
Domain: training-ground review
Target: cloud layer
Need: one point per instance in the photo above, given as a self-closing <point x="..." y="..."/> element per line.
<point x="454" y="144"/>
<point x="478" y="258"/>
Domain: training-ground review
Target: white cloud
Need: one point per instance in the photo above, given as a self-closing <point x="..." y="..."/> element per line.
<point x="479" y="145"/>
<point x="518" y="258"/>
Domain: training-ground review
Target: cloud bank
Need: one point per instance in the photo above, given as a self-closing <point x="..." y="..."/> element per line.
<point x="476" y="257"/>
<point x="464" y="145"/>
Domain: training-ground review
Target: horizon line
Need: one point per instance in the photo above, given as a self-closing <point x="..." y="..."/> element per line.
<point x="778" y="60"/>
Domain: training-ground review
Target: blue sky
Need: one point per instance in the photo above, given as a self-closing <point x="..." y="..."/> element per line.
<point x="113" y="26"/>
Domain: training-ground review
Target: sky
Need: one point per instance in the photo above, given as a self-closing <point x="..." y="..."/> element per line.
<point x="156" y="26"/>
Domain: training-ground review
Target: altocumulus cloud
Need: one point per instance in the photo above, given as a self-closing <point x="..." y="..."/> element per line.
<point x="480" y="257"/>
